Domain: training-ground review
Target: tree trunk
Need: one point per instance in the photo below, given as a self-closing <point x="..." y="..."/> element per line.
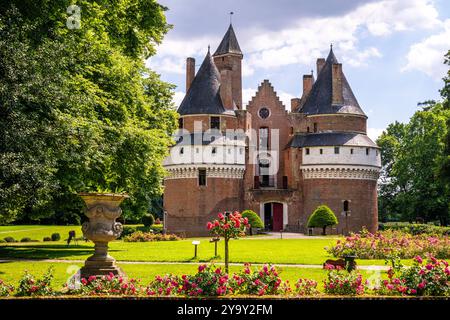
<point x="324" y="231"/>
<point x="226" y="255"/>
<point x="251" y="231"/>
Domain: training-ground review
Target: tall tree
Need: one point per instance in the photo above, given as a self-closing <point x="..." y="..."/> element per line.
<point x="79" y="109"/>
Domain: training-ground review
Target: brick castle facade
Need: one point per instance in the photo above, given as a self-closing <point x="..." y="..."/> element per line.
<point x="280" y="163"/>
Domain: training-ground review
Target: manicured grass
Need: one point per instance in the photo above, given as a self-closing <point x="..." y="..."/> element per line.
<point x="286" y="251"/>
<point x="11" y="272"/>
<point x="249" y="249"/>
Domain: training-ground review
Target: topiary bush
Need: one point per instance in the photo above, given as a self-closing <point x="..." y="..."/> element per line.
<point x="56" y="237"/>
<point x="253" y="219"/>
<point x="10" y="239"/>
<point x="322" y="217"/>
<point x="148" y="220"/>
<point x="26" y="239"/>
<point x="47" y="239"/>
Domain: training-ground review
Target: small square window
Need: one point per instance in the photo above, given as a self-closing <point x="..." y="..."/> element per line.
<point x="321" y="151"/>
<point x="215" y="123"/>
<point x="351" y="151"/>
<point x="336" y="150"/>
<point x="367" y="151"/>
<point x="214" y="150"/>
<point x="307" y="150"/>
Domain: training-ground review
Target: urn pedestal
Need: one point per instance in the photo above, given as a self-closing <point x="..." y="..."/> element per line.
<point x="102" y="209"/>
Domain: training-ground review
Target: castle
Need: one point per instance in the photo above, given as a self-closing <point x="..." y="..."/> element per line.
<point x="281" y="164"/>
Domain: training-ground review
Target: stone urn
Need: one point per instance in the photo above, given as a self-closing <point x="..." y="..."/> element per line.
<point x="102" y="209"/>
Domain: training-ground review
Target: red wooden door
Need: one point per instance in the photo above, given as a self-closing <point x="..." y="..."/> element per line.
<point x="277" y="213"/>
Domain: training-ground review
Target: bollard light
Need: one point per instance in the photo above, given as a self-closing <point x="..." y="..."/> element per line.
<point x="195" y="243"/>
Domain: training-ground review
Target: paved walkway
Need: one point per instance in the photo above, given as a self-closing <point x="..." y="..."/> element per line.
<point x="304" y="266"/>
<point x="285" y="235"/>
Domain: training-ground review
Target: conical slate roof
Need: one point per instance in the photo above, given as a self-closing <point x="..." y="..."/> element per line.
<point x="229" y="43"/>
<point x="203" y="96"/>
<point x="320" y="97"/>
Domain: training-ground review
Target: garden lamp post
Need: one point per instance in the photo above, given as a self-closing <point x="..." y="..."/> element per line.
<point x="195" y="243"/>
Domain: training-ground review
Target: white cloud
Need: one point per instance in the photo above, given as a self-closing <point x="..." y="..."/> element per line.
<point x="309" y="39"/>
<point x="178" y="97"/>
<point x="374" y="133"/>
<point x="428" y="55"/>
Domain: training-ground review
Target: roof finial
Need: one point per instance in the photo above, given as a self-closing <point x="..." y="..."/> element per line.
<point x="312" y="72"/>
<point x="331" y="46"/>
<point x="209" y="47"/>
<point x="231" y="16"/>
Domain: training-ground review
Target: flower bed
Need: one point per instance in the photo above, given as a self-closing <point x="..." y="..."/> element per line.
<point x="341" y="282"/>
<point x="386" y="244"/>
<point x="140" y="236"/>
<point x="422" y="279"/>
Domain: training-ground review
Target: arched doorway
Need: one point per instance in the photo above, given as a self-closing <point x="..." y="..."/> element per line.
<point x="274" y="215"/>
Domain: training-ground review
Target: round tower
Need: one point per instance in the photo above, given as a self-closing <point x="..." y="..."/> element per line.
<point x="206" y="165"/>
<point x="339" y="163"/>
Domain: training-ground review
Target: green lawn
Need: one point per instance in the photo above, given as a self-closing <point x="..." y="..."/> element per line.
<point x="250" y="249"/>
<point x="11" y="272"/>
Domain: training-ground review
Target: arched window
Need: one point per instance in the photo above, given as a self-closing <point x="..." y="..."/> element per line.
<point x="346" y="207"/>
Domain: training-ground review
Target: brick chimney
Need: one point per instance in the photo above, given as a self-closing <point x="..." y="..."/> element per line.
<point x="320" y="63"/>
<point x="336" y="76"/>
<point x="190" y="72"/>
<point x="308" y="82"/>
<point x="295" y="103"/>
<point x="226" y="91"/>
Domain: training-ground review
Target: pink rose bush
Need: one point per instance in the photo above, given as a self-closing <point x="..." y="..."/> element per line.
<point x="31" y="287"/>
<point x="5" y="289"/>
<point x="228" y="226"/>
<point x="306" y="287"/>
<point x="263" y="281"/>
<point x="430" y="278"/>
<point x="341" y="282"/>
<point x="108" y="285"/>
<point x="212" y="281"/>
<point x="385" y="244"/>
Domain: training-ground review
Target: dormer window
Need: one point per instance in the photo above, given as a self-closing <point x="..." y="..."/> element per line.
<point x="351" y="151"/>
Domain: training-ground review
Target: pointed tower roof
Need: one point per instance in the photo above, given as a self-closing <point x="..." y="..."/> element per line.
<point x="229" y="43"/>
<point x="319" y="100"/>
<point x="203" y="96"/>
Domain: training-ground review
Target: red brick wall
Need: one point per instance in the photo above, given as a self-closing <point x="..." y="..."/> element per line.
<point x="189" y="206"/>
<point x="226" y="122"/>
<point x="278" y="119"/>
<point x="234" y="64"/>
<point x="335" y="123"/>
<point x="362" y="195"/>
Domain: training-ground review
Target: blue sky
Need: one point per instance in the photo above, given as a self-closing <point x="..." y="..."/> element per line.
<point x="392" y="50"/>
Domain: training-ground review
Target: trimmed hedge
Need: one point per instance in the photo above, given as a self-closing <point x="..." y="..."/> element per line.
<point x="415" y="228"/>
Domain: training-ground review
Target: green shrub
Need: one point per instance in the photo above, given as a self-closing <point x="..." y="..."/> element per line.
<point x="26" y="239"/>
<point x="47" y="239"/>
<point x="253" y="219"/>
<point x="416" y="228"/>
<point x="157" y="228"/>
<point x="148" y="220"/>
<point x="10" y="239"/>
<point x="127" y="230"/>
<point x="322" y="217"/>
<point x="29" y="286"/>
<point x="56" y="237"/>
<point x="2" y="241"/>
